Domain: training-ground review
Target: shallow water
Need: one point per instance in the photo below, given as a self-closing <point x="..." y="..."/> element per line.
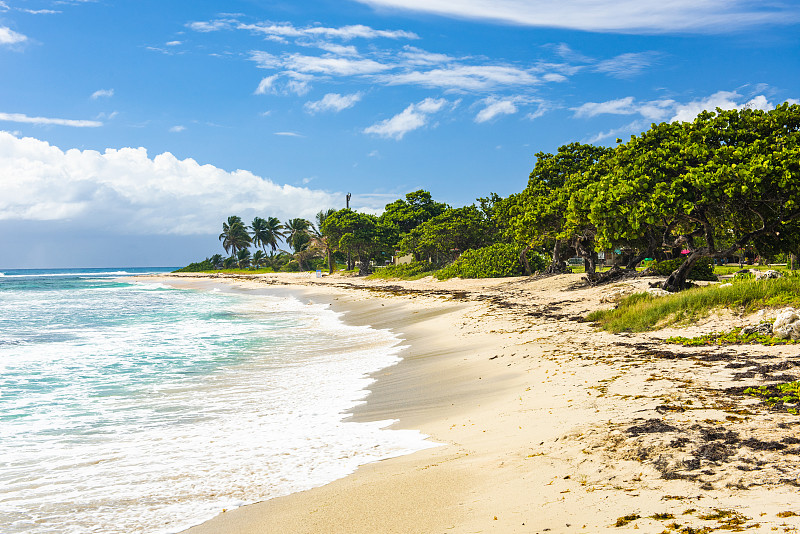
<point x="131" y="407"/>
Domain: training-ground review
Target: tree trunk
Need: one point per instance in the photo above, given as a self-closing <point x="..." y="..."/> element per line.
<point x="557" y="265"/>
<point x="330" y="261"/>
<point x="677" y="279"/>
<point x="523" y="257"/>
<point x="792" y="262"/>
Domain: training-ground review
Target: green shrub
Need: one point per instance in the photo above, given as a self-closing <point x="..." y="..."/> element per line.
<point x="292" y="267"/>
<point x="197" y="267"/>
<point x="495" y="261"/>
<point x="703" y="269"/>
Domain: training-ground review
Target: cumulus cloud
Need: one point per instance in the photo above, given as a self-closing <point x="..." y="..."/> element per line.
<point x="10" y="37"/>
<point x="126" y="191"/>
<point x="45" y="121"/>
<point x="101" y="93"/>
<point x="496" y="106"/>
<point x="623" y="16"/>
<point x="412" y="118"/>
<point x="333" y="102"/>
<point x="721" y="99"/>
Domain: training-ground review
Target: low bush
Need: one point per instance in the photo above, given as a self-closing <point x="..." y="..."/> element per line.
<point x="495" y="261"/>
<point x="197" y="267"/>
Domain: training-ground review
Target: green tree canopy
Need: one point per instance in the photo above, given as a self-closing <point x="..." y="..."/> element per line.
<point x="449" y="234"/>
<point x="538" y="214"/>
<point x="727" y="180"/>
<point x="405" y="215"/>
<point x="362" y="235"/>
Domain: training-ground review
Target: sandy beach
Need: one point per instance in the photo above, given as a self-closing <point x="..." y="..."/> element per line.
<point x="545" y="423"/>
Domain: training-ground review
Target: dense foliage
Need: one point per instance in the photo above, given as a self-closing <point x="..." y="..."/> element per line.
<point x="723" y="187"/>
<point x="495" y="261"/>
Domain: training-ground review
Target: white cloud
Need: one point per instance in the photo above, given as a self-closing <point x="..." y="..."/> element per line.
<point x="624" y="16"/>
<point x="413" y="117"/>
<point x="3" y="6"/>
<point x="465" y="77"/>
<point x="653" y="110"/>
<point x="102" y="93"/>
<point x="346" y="33"/>
<point x="211" y="26"/>
<point x="10" y="37"/>
<point x="288" y="134"/>
<point x="621" y="106"/>
<point x="126" y="191"/>
<point x="41" y="11"/>
<point x="45" y="121"/>
<point x="629" y="129"/>
<point x="333" y="102"/>
<point x="627" y="65"/>
<point x="173" y="43"/>
<point x="333" y="66"/>
<point x="177" y="129"/>
<point x="291" y="83"/>
<point x="496" y="106"/>
<point x="721" y="99"/>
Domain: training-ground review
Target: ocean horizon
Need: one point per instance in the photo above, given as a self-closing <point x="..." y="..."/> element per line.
<point x="131" y="406"/>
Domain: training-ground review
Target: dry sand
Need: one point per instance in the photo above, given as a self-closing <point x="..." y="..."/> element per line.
<point x="547" y="424"/>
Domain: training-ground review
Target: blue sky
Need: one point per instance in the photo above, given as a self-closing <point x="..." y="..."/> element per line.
<point x="130" y="130"/>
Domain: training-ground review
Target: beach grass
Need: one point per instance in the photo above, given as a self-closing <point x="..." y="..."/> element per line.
<point x="642" y="312"/>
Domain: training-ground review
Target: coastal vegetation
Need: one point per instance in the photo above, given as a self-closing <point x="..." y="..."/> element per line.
<point x="642" y="311"/>
<point x="682" y="198"/>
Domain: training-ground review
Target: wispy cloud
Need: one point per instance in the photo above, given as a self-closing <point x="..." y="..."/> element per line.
<point x="496" y="106"/>
<point x="288" y="134"/>
<point x="45" y="121"/>
<point x="346" y="33"/>
<point x="177" y="129"/>
<point x="333" y="102"/>
<point x="621" y="16"/>
<point x="627" y="65"/>
<point x="412" y="118"/>
<point x="288" y="82"/>
<point x="465" y="77"/>
<point x="10" y="37"/>
<point x="40" y="11"/>
<point x="102" y="93"/>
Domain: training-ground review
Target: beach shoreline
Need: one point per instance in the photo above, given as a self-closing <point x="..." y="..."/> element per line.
<point x="537" y="415"/>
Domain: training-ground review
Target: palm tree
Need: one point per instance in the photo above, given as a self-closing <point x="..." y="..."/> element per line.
<point x="297" y="233"/>
<point x="267" y="232"/>
<point x="320" y="240"/>
<point x="234" y="235"/>
<point x="216" y="261"/>
<point x="258" y="258"/>
<point x="243" y="258"/>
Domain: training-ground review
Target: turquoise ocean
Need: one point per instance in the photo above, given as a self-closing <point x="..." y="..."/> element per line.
<point x="129" y="406"/>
